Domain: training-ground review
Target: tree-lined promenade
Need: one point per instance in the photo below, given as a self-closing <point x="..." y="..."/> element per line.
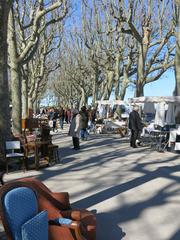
<point x="81" y="50"/>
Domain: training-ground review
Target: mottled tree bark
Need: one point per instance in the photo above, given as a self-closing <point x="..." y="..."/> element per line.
<point x="24" y="98"/>
<point x="95" y="87"/>
<point x="83" y="100"/>
<point x="4" y="90"/>
<point x="109" y="85"/>
<point x="15" y="78"/>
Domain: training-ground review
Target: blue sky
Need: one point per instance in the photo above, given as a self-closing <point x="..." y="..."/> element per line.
<point x="162" y="87"/>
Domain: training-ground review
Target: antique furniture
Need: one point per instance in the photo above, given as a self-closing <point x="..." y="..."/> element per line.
<point x="57" y="204"/>
<point x="25" y="207"/>
<point x="19" y="214"/>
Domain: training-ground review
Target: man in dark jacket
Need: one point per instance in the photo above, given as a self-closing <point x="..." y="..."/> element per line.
<point x="136" y="126"/>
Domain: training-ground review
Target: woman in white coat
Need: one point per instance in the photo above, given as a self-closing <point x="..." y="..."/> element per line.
<point x="75" y="128"/>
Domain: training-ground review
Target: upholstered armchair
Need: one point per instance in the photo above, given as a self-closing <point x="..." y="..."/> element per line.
<point x="57" y="204"/>
<point x="20" y="216"/>
<point x="32" y="205"/>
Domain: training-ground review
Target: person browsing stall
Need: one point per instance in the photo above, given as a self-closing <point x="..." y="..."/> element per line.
<point x="135" y="125"/>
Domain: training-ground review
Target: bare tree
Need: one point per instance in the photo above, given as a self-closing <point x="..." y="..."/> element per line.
<point x="73" y="82"/>
<point x="112" y="53"/>
<point x="42" y="64"/>
<point x="119" y="43"/>
<point x="153" y="31"/>
<point x="23" y="46"/>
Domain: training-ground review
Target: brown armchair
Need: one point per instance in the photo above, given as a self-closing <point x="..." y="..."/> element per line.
<point x="57" y="204"/>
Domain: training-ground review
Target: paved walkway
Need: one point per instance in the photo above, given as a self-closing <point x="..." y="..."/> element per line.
<point x="135" y="193"/>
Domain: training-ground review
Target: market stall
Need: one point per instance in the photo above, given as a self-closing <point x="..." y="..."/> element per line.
<point x="166" y="117"/>
<point x="113" y="114"/>
<point x="166" y="108"/>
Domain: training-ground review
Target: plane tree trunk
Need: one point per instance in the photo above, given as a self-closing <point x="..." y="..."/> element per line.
<point x="4" y="89"/>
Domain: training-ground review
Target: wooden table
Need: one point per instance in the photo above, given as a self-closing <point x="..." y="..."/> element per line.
<point x="35" y="146"/>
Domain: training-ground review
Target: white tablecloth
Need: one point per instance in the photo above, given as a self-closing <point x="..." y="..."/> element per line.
<point x="172" y="138"/>
<point x="172" y="135"/>
<point x="148" y="129"/>
<point x="115" y="124"/>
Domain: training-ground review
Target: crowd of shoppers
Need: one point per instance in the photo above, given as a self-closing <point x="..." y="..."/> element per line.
<point x="81" y="121"/>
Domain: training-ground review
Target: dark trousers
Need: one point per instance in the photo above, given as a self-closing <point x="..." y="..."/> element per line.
<point x="84" y="133"/>
<point x="134" y="137"/>
<point x="75" y="142"/>
<point x="54" y="125"/>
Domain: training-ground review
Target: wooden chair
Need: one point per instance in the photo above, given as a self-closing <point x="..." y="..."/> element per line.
<point x="30" y="150"/>
<point x="11" y="153"/>
<point x="52" y="149"/>
<point x="34" y="148"/>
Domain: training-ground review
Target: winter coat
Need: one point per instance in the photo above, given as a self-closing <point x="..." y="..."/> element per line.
<point x="84" y="119"/>
<point x="75" y="126"/>
<point x="135" y="122"/>
<point x="55" y="116"/>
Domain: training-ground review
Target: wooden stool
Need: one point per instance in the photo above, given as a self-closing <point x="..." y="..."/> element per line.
<point x="53" y="151"/>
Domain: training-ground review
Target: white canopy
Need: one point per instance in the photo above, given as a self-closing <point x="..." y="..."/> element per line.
<point x="170" y="115"/>
<point x="111" y="102"/>
<point x="104" y="105"/>
<point x="166" y="99"/>
<point x="160" y="114"/>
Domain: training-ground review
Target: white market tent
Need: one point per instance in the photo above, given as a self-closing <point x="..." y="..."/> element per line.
<point x="109" y="103"/>
<point x="166" y="99"/>
<point x="173" y="103"/>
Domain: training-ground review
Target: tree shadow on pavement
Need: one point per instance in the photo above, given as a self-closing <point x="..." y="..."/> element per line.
<point x="107" y="227"/>
<point x="108" y="222"/>
<point x="112" y="151"/>
<point x="176" y="236"/>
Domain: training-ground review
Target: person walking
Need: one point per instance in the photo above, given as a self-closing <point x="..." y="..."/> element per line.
<point x="61" y="117"/>
<point x="68" y="115"/>
<point x="84" y="125"/>
<point x="135" y="125"/>
<point x="75" y="128"/>
<point x="55" y="117"/>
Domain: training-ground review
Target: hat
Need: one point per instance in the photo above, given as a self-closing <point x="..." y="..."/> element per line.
<point x="83" y="108"/>
<point x="75" y="111"/>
